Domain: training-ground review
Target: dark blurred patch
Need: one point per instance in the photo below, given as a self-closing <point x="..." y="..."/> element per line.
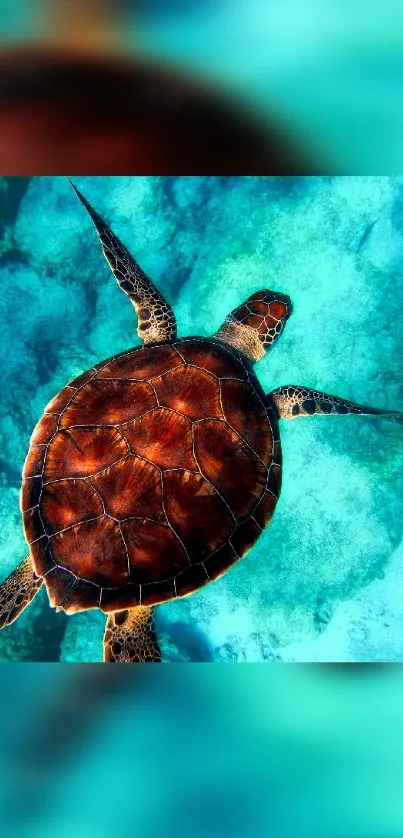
<point x="12" y="473"/>
<point x="91" y="114"/>
<point x="48" y="629"/>
<point x="11" y="195"/>
<point x="36" y="638"/>
<point x="321" y="615"/>
<point x="46" y="354"/>
<point x="13" y="255"/>
<point x="64" y="721"/>
<point x="173" y="6"/>
<point x="12" y="190"/>
<point x="75" y="711"/>
<point x="191" y="644"/>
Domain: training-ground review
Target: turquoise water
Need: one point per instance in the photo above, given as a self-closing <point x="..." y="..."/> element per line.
<point x="323" y="582"/>
<point x="230" y="751"/>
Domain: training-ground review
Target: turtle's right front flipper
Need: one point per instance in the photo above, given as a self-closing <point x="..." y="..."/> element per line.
<point x="293" y="401"/>
<point x="17" y="591"/>
<point x="156" y="318"/>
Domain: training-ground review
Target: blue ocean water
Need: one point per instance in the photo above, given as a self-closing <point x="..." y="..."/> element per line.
<point x="323" y="582"/>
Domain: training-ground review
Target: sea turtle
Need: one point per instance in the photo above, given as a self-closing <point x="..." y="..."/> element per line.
<point x="153" y="472"/>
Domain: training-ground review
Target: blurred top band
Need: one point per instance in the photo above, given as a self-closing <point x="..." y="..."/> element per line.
<point x="65" y="111"/>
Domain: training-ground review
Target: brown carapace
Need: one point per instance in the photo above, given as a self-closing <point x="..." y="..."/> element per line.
<point x="129" y="496"/>
<point x="153" y="472"/>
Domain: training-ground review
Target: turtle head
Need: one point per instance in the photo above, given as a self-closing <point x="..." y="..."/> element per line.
<point x="253" y="327"/>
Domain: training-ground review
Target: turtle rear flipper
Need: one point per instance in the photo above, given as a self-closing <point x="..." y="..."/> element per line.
<point x="17" y="591"/>
<point x="293" y="401"/>
<point x="130" y="637"/>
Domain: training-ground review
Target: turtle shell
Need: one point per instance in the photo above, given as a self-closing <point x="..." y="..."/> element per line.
<point x="149" y="475"/>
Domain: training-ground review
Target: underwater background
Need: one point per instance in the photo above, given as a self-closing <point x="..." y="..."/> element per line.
<point x="323" y="582"/>
<point x="226" y="751"/>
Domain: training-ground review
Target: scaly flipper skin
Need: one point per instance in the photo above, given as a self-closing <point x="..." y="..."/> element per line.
<point x="130" y="637"/>
<point x="156" y="318"/>
<point x="253" y="327"/>
<point x="293" y="401"/>
<point x="17" y="591"/>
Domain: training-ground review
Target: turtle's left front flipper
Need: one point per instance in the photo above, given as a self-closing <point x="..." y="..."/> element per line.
<point x="156" y="319"/>
<point x="17" y="591"/>
<point x="130" y="637"/>
<point x="293" y="401"/>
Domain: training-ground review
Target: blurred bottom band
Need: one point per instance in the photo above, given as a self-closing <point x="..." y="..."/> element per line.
<point x="238" y="751"/>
